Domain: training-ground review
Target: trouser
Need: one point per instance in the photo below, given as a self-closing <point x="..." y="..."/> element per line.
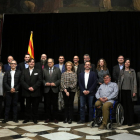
<point x="83" y="100"/>
<point x="68" y="103"/>
<point x="1" y="99"/>
<point x="105" y="110"/>
<point x="31" y="109"/>
<point x="51" y="98"/>
<point x="11" y="99"/>
<point x="128" y="106"/>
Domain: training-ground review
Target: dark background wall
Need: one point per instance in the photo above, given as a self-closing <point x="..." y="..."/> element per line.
<point x="102" y="35"/>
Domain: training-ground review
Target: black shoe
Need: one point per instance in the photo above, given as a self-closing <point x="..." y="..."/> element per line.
<point x="15" y="120"/>
<point x="5" y="120"/>
<point x="35" y="121"/>
<point x="25" y="121"/>
<point x="70" y="121"/>
<point x="65" y="121"/>
<point x="80" y="122"/>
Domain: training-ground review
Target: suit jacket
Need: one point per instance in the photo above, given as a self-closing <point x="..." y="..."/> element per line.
<point x="21" y="66"/>
<point x="138" y="84"/>
<point x="133" y="81"/>
<point x="92" y="83"/>
<point x="7" y="67"/>
<point x="116" y="72"/>
<point x="63" y="68"/>
<point x="38" y="65"/>
<point x="82" y="69"/>
<point x="34" y="81"/>
<point x="7" y="80"/>
<point x="55" y="78"/>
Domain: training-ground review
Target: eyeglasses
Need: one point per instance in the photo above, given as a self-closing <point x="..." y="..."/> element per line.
<point x="13" y="63"/>
<point x="107" y="78"/>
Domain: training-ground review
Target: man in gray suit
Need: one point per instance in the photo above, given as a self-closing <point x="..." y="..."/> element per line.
<point x="51" y="82"/>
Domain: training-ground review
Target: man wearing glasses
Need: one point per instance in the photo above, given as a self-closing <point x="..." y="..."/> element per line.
<point x="51" y="82"/>
<point x="11" y="83"/>
<point x="118" y="68"/>
<point x="106" y="95"/>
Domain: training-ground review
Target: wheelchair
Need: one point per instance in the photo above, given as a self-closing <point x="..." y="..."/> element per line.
<point x="116" y="114"/>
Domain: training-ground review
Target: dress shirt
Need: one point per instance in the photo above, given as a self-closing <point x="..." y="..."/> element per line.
<point x="75" y="67"/>
<point x="86" y="79"/>
<point x="31" y="70"/>
<point x="26" y="65"/>
<point x="110" y="91"/>
<point x="60" y="67"/>
<point x="121" y="66"/>
<point x="51" y="70"/>
<point x="12" y="78"/>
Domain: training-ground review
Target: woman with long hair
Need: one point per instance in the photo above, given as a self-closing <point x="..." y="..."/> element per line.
<point x="101" y="70"/>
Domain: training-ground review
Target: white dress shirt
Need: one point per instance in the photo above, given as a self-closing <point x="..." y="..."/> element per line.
<point x="31" y="70"/>
<point x="60" y="67"/>
<point x="12" y="78"/>
<point x="86" y="79"/>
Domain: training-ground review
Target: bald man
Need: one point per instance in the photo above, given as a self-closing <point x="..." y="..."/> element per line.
<point x="43" y="63"/>
<point x="7" y="67"/>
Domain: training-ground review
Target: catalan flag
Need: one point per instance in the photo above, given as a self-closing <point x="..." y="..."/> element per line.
<point x="31" y="46"/>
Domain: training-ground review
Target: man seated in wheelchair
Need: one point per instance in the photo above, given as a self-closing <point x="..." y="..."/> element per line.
<point x="106" y="94"/>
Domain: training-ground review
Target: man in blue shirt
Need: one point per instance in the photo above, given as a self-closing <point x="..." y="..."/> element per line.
<point x="106" y="95"/>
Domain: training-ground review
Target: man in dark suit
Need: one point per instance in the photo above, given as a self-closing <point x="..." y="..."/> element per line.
<point x="117" y="68"/>
<point x="11" y="83"/>
<point x="81" y="67"/>
<point x="43" y="62"/>
<point x="87" y="84"/>
<point x="51" y="82"/>
<point x="31" y="80"/>
<point x="61" y="64"/>
<point x="7" y="67"/>
<point x="24" y="65"/>
<point x="21" y="67"/>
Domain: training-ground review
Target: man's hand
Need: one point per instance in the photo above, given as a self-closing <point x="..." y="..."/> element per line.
<point x="48" y="84"/>
<point x="103" y="100"/>
<point x="31" y="88"/>
<point x="67" y="93"/>
<point x="134" y="94"/>
<point x="85" y="92"/>
<point x="12" y="90"/>
<point x="106" y="99"/>
<point x="52" y="84"/>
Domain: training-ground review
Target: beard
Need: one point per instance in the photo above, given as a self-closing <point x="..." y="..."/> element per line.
<point x="43" y="61"/>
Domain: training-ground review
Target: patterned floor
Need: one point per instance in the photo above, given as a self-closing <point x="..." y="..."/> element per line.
<point x="61" y="131"/>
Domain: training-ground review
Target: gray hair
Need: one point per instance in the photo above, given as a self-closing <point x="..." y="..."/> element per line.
<point x="14" y="60"/>
<point x="51" y="59"/>
<point x="87" y="55"/>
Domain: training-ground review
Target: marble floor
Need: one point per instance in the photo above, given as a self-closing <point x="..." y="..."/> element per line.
<point x="61" y="131"/>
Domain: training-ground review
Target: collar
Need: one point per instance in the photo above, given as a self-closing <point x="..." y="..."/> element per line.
<point x="13" y="70"/>
<point x="51" y="68"/>
<point x="121" y="65"/>
<point x="25" y="62"/>
<point x="108" y="83"/>
<point x="86" y="72"/>
<point x="31" y="69"/>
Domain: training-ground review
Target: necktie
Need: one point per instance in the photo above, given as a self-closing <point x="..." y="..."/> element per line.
<point x="50" y="71"/>
<point x="42" y="66"/>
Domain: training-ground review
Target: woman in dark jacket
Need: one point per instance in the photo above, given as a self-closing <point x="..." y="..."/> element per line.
<point x="128" y="89"/>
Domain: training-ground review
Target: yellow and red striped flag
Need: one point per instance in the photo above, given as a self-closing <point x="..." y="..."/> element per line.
<point x="31" y="46"/>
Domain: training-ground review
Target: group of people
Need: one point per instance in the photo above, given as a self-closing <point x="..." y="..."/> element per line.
<point x="29" y="80"/>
